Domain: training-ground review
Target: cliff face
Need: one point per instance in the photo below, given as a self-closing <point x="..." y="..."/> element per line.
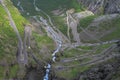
<point x="112" y="6"/>
<point x="102" y="6"/>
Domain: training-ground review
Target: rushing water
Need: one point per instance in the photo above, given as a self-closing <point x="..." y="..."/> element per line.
<point x="58" y="41"/>
<point x="54" y="36"/>
<point x="46" y="77"/>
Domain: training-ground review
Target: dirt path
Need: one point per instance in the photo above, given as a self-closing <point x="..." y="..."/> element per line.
<point x="52" y="33"/>
<point x="26" y="45"/>
<point x="72" y="24"/>
<point x="20" y="56"/>
<point x="54" y="28"/>
<point x="104" y="52"/>
<point x="104" y="56"/>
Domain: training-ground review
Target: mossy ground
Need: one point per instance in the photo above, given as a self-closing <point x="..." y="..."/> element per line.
<point x="115" y="24"/>
<point x="8" y="39"/>
<point x="85" y="22"/>
<point x="73" y="54"/>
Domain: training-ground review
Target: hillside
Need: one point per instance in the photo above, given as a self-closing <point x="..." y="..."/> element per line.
<point x="9" y="65"/>
<point x="8" y="41"/>
<point x="59" y="40"/>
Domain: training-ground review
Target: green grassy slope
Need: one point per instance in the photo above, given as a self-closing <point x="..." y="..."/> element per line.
<point x="48" y="5"/>
<point x="115" y="23"/>
<point x="42" y="40"/>
<point x="8" y="41"/>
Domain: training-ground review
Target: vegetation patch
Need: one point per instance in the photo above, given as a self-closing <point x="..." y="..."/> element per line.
<point x="72" y="53"/>
<point x="2" y="70"/>
<point x="17" y="17"/>
<point x="8" y="38"/>
<point x="43" y="40"/>
<point x="13" y="71"/>
<point x="85" y="22"/>
<point x="47" y="5"/>
<point x="60" y="24"/>
<point x="115" y="23"/>
<point x="72" y="73"/>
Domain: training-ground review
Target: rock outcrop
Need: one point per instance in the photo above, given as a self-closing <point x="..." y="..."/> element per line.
<point x="106" y="71"/>
<point x="102" y="6"/>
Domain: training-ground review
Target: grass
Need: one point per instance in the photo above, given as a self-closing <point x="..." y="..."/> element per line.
<point x="86" y="47"/>
<point x="2" y="72"/>
<point x="72" y="73"/>
<point x="101" y="48"/>
<point x="60" y="24"/>
<point x="43" y="40"/>
<point x="43" y="47"/>
<point x="81" y="50"/>
<point x="76" y="51"/>
<point x="71" y="53"/>
<point x="48" y="5"/>
<point x="6" y="32"/>
<point x="115" y="23"/>
<point x="29" y="8"/>
<point x="85" y="22"/>
<point x="8" y="38"/>
<point x="13" y="71"/>
<point x="17" y="17"/>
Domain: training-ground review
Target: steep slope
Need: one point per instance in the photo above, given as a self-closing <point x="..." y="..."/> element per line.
<point x="8" y="41"/>
<point x="63" y="42"/>
<point x="48" y="6"/>
<point x="13" y="26"/>
<point x="102" y="6"/>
